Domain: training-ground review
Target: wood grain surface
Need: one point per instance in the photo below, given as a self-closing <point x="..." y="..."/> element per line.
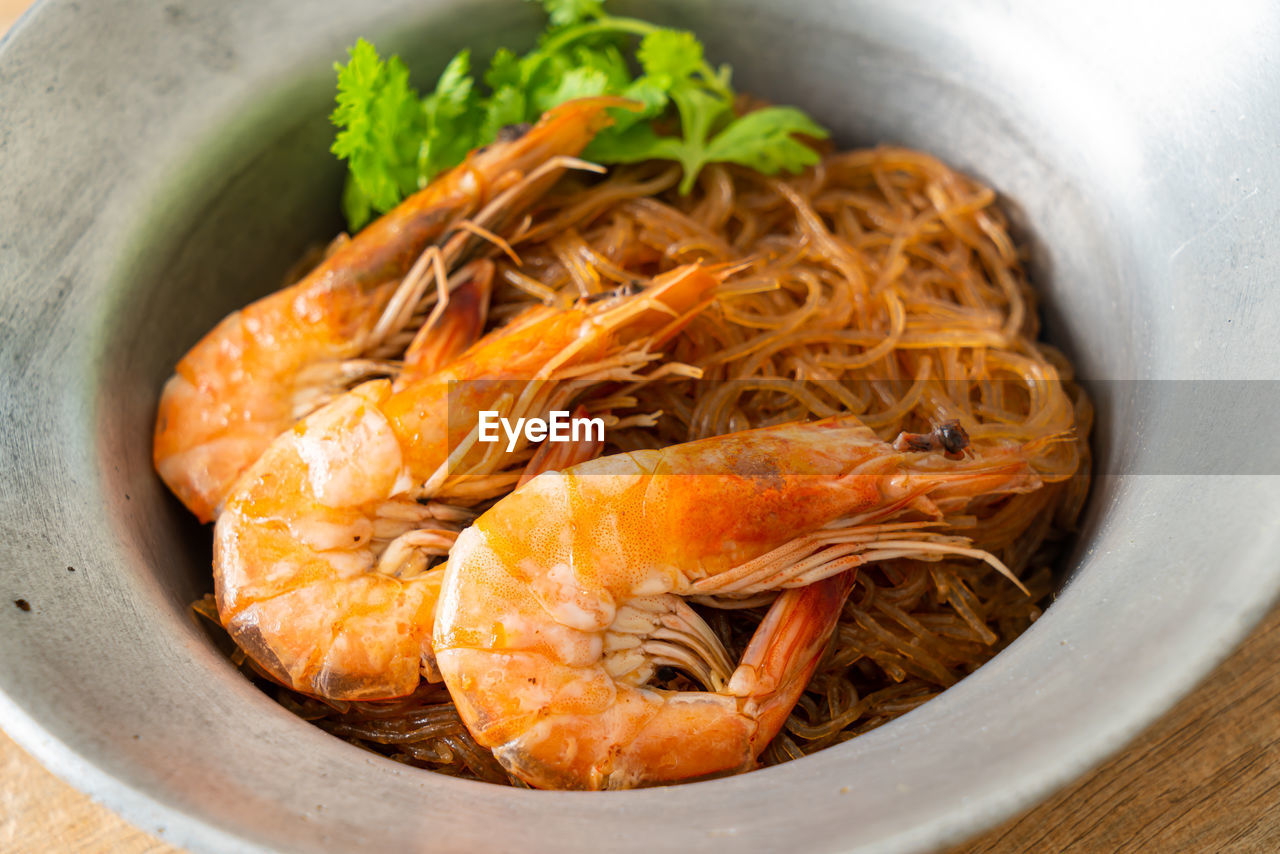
<point x="1205" y="777"/>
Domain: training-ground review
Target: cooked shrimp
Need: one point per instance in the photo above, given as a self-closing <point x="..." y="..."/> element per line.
<point x="264" y="366"/>
<point x="321" y="556"/>
<point x="536" y="363"/>
<point x="561" y="601"/>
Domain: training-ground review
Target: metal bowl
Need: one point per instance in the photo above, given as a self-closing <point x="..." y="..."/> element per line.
<point x="161" y="165"/>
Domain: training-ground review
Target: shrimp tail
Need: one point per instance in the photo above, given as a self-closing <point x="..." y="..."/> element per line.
<point x="785" y="650"/>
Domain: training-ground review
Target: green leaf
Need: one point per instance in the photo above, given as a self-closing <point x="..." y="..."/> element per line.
<point x="765" y="141"/>
<point x="609" y="61"/>
<point x="453" y="118"/>
<point x="394" y="141"/>
<point x="565" y="12"/>
<point x="505" y="70"/>
<point x="542" y="76"/>
<point x="507" y="106"/>
<point x="670" y="55"/>
<point x="453" y="90"/>
<point x="631" y="136"/>
<point x="700" y="111"/>
<point x="628" y="145"/>
<point x="380" y="124"/>
<point x="356" y="206"/>
<point x="653" y="97"/>
<point x="578" y="83"/>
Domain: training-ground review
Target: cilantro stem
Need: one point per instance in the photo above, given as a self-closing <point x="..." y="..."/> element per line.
<point x="605" y="24"/>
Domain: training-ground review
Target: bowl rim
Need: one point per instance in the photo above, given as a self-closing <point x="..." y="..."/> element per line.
<point x="53" y="25"/>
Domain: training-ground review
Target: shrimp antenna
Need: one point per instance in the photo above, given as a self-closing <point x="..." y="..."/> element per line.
<point x="486" y="234"/>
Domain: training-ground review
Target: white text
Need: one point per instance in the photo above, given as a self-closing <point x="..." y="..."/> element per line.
<point x="559" y="427"/>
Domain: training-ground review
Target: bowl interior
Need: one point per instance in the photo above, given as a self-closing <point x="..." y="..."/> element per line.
<point x="223" y="203"/>
<point x="249" y="202"/>
<point x="245" y="204"/>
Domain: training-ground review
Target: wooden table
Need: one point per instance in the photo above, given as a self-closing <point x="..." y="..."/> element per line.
<point x="1201" y="779"/>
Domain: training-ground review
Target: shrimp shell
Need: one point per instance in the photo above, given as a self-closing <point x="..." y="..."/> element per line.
<point x="560" y="602"/>
<point x="265" y="365"/>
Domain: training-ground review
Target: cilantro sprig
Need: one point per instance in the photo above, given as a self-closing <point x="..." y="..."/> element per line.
<point x="395" y="141"/>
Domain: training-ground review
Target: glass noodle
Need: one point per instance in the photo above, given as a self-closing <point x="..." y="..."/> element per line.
<point x="881" y="283"/>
